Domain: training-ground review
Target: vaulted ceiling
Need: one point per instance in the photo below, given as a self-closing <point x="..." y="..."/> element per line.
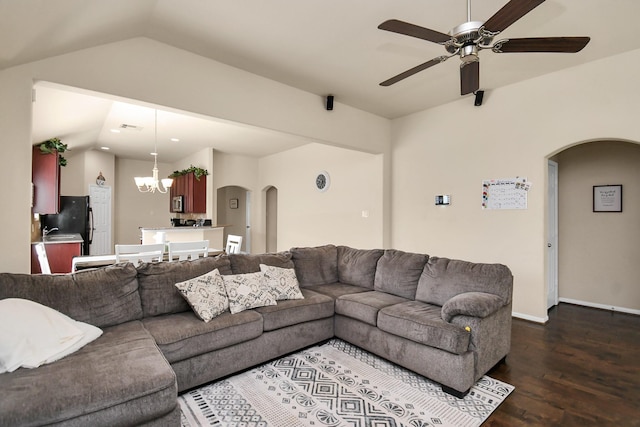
<point x="321" y="46"/>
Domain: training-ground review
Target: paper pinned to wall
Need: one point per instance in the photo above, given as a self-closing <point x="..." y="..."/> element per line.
<point x="506" y="193"/>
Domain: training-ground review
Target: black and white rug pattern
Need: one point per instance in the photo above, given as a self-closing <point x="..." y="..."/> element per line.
<point x="336" y="384"/>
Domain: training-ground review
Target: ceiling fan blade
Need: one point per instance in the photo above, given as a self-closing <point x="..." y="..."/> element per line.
<point x="412" y="30"/>
<point x="414" y="70"/>
<point x="469" y="77"/>
<point x="509" y="14"/>
<point x="541" y="44"/>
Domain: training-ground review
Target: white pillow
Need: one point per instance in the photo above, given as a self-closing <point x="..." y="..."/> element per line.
<point x="32" y="334"/>
<point x="282" y="282"/>
<point x="247" y="291"/>
<point x="205" y="294"/>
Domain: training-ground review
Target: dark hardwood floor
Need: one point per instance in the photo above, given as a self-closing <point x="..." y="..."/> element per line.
<point x="580" y="369"/>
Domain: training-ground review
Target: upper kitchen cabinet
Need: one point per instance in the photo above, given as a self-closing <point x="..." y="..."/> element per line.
<point x="193" y="192"/>
<point x="45" y="175"/>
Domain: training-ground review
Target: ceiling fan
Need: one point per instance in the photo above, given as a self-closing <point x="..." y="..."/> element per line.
<point x="468" y="39"/>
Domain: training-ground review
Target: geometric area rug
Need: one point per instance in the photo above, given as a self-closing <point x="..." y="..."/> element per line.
<point x="336" y="384"/>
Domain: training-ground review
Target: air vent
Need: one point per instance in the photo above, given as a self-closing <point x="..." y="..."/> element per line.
<point x="130" y="127"/>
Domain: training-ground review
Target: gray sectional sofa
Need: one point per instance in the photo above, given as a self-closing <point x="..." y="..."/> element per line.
<point x="448" y="320"/>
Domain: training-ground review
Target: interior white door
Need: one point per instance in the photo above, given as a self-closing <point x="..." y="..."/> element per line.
<point x="552" y="235"/>
<point x="100" y="197"/>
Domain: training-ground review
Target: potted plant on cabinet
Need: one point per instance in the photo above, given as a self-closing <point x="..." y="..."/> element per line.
<point x="54" y="144"/>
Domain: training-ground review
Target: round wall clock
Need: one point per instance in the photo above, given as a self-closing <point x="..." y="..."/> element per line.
<point x="100" y="179"/>
<point x="322" y="181"/>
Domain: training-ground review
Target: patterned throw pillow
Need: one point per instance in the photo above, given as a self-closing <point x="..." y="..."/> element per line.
<point x="247" y="291"/>
<point x="282" y="282"/>
<point x="206" y="294"/>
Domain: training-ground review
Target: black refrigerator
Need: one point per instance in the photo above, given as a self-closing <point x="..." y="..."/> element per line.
<point x="75" y="216"/>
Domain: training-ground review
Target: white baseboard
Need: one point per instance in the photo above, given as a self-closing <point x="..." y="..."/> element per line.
<point x="530" y="318"/>
<point x="600" y="306"/>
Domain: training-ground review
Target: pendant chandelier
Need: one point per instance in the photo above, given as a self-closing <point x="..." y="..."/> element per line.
<point x="151" y="184"/>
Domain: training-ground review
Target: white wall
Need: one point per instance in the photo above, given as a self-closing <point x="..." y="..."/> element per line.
<point x="234" y="220"/>
<point x="134" y="209"/>
<point x="151" y="72"/>
<point x="238" y="171"/>
<point x="15" y="123"/>
<point x="307" y="217"/>
<point x="82" y="170"/>
<point x="599" y="252"/>
<point x="451" y="149"/>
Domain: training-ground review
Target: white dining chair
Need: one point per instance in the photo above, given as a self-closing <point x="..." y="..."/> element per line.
<point x="138" y="254"/>
<point x="188" y="250"/>
<point x="234" y="243"/>
<point x="42" y="258"/>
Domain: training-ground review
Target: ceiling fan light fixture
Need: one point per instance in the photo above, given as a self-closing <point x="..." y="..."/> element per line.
<point x="469" y="53"/>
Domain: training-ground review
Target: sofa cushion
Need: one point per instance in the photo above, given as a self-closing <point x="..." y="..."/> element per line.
<point x="364" y="306"/>
<point x="157" y="282"/>
<point x="282" y="282"/>
<point x="247" y="291"/>
<point x="32" y="334"/>
<point x="336" y="290"/>
<point x="317" y="265"/>
<point x="422" y="323"/>
<point x="398" y="273"/>
<point x="358" y="266"/>
<point x="101" y="297"/>
<point x="119" y="379"/>
<point x="248" y="263"/>
<point x="182" y="335"/>
<point x="205" y="294"/>
<point x="445" y="278"/>
<point x="291" y="312"/>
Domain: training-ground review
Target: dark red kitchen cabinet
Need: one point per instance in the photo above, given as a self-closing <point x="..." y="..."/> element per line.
<point x="45" y="176"/>
<point x="60" y="256"/>
<point x="193" y="190"/>
<point x="196" y="194"/>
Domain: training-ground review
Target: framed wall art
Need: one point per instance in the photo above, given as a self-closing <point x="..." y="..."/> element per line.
<point x="607" y="198"/>
<point x="233" y="203"/>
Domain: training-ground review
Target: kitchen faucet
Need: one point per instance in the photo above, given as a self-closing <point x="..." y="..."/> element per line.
<point x="45" y="231"/>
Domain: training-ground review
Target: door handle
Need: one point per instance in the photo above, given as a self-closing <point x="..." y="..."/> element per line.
<point x="91" y="228"/>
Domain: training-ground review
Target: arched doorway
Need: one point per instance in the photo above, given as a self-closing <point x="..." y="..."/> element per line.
<point x="271" y="219"/>
<point x="233" y="211"/>
<point x="596" y="250"/>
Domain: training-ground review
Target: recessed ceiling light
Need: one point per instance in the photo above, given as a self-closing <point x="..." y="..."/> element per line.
<point x="104" y="148"/>
<point x="175" y="139"/>
<point x="115" y="130"/>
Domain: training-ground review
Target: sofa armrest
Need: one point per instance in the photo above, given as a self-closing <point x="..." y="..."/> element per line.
<point x="474" y="304"/>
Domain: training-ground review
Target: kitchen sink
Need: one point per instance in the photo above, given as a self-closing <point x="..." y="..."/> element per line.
<point x="61" y="237"/>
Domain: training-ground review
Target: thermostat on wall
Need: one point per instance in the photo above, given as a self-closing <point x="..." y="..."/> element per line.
<point x="443" y="200"/>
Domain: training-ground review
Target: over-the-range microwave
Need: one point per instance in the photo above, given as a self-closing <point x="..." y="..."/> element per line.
<point x="177" y="204"/>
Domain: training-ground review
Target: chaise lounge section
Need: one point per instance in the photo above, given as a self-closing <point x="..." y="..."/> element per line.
<point x="448" y="320"/>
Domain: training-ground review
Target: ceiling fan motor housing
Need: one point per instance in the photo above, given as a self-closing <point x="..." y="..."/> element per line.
<point x="465" y="39"/>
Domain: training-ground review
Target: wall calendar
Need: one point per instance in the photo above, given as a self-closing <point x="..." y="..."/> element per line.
<point x="507" y="193"/>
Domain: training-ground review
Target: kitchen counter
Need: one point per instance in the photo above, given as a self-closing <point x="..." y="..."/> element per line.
<point x="59" y="238"/>
<point x="215" y="235"/>
<point x="61" y="248"/>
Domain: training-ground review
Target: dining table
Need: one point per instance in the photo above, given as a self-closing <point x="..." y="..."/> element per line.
<point x="94" y="261"/>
